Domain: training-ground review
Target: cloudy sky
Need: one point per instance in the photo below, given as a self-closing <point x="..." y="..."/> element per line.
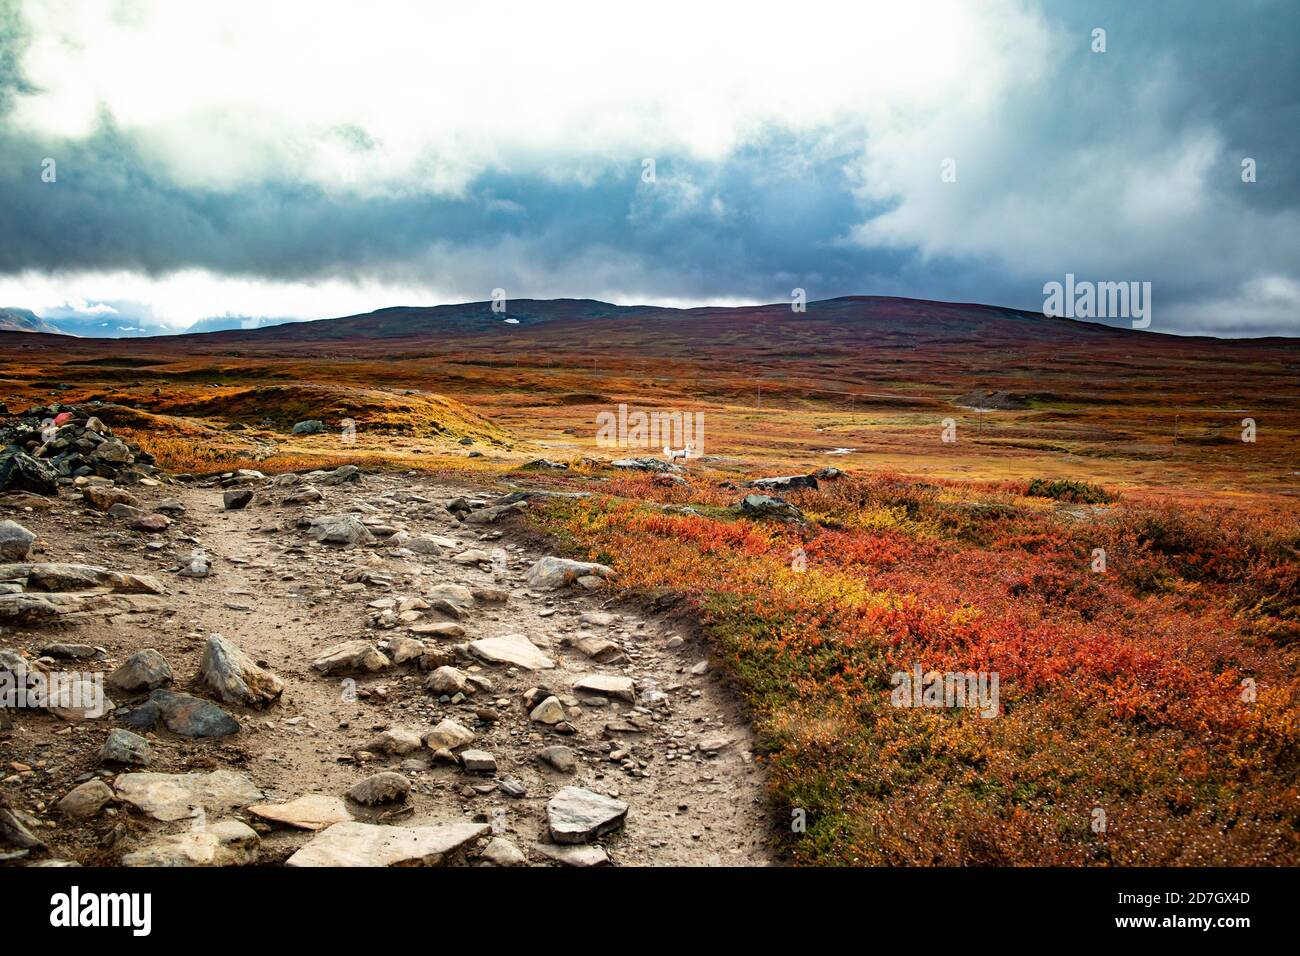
<point x="318" y="159"/>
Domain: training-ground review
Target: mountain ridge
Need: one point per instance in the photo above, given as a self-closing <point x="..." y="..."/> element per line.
<point x="402" y="322"/>
<point x="25" y="320"/>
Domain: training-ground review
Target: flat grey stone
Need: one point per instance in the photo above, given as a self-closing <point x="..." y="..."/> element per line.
<point x="573" y="855"/>
<point x="224" y="843"/>
<point x="312" y="811"/>
<point x="608" y="684"/>
<point x="577" y="815"/>
<point x="176" y="796"/>
<point x="514" y="649"/>
<point x="366" y="844"/>
<point x="478" y="761"/>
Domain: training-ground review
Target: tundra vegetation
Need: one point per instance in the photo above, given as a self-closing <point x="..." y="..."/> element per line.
<point x="1157" y="684"/>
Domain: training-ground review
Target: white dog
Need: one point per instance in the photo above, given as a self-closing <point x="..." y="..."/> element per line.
<point x="684" y="454"/>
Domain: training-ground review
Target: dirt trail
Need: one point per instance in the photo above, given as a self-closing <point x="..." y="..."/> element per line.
<point x="283" y="598"/>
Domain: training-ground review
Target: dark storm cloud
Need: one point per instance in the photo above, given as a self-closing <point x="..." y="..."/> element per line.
<point x="785" y="209"/>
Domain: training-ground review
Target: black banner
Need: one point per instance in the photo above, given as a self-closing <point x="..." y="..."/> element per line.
<point x="138" y="907"/>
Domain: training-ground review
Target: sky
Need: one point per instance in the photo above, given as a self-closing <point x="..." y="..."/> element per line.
<point x="308" y="160"/>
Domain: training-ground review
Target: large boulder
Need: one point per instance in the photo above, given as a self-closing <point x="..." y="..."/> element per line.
<point x="346" y="530"/>
<point x="122" y="746"/>
<point x="646" y="463"/>
<point x="342" y="475"/>
<point x="448" y="680"/>
<point x="103" y="497"/>
<point x="144" y="670"/>
<point x="183" y="715"/>
<point x="224" y="843"/>
<point x="76" y="698"/>
<point x="767" y="506"/>
<point x="311" y="426"/>
<point x="495" y="513"/>
<point x="177" y="796"/>
<point x="611" y="685"/>
<point x="86" y="800"/>
<point x="235" y="678"/>
<point x="553" y="573"/>
<point x="448" y="735"/>
<point x="357" y="656"/>
<point x="784" y="483"/>
<point x="15" y="541"/>
<point x="513" y="649"/>
<point x="21" y="472"/>
<point x="234" y="499"/>
<point x="385" y="787"/>
<point x="366" y="844"/>
<point x="312" y="811"/>
<point x="575" y="815"/>
<point x="114" y="451"/>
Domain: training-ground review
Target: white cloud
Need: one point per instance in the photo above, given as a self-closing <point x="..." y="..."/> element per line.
<point x="182" y="298"/>
<point x="453" y="274"/>
<point x="1263" y="305"/>
<point x="227" y="92"/>
<point x="1111" y="167"/>
<point x="1156" y="197"/>
<point x="86" y="308"/>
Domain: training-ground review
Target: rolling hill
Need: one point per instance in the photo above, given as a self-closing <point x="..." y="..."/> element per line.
<point x="24" y="320"/>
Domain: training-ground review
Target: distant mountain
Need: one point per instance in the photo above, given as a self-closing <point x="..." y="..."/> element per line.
<point x="907" y="322"/>
<point x="24" y="320"/>
<point x="226" y="323"/>
<point x="106" y="326"/>
<point x="103" y="326"/>
<point x="401" y="322"/>
<point x="849" y="322"/>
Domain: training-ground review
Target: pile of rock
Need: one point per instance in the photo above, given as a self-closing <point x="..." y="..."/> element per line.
<point x="770" y="506"/>
<point x="795" y="482"/>
<point x="647" y="463"/>
<point x="49" y="443"/>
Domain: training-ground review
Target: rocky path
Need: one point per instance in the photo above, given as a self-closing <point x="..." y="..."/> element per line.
<point x="408" y="661"/>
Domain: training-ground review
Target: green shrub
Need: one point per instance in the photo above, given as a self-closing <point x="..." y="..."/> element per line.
<point x="1076" y="492"/>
